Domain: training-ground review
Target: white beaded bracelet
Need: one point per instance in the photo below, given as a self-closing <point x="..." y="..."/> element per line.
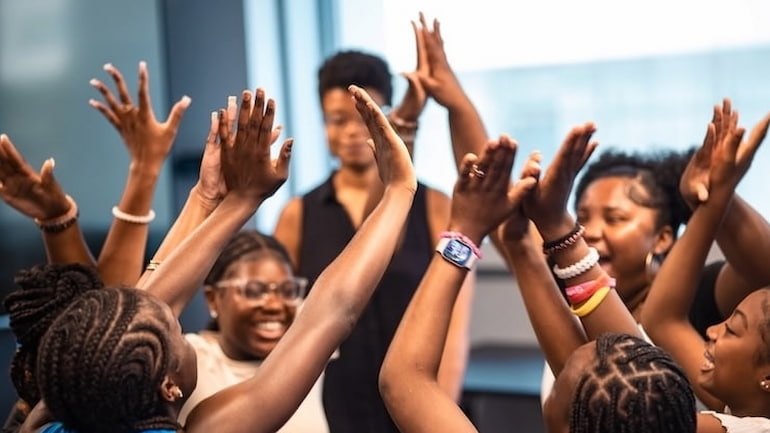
<point x="581" y="267"/>
<point x="134" y="219"/>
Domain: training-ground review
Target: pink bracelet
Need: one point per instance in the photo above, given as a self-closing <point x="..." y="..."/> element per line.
<point x="580" y="293"/>
<point x="465" y="239"/>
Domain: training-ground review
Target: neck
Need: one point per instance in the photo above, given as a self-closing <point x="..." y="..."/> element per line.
<point x="356" y="178"/>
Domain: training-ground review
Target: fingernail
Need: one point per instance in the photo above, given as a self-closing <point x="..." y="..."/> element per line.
<point x="53" y="162"/>
<point x="214" y="116"/>
<point x="231" y="100"/>
<point x="186" y="100"/>
<point x="142" y="65"/>
<point x="92" y="102"/>
<point x="93" y="82"/>
<point x="108" y="66"/>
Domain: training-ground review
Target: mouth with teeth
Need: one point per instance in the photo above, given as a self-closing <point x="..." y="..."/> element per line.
<point x="270" y="329"/>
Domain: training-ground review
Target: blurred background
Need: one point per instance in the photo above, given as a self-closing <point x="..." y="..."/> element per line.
<point x="647" y="73"/>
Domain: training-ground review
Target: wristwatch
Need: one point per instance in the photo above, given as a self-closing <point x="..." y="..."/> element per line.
<point x="457" y="252"/>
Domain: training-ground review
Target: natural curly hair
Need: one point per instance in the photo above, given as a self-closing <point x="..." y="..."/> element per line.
<point x="355" y="67"/>
<point x="657" y="172"/>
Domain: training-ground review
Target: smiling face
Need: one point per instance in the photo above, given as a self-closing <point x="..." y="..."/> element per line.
<point x="736" y="354"/>
<point x="250" y="328"/>
<point x="622" y="230"/>
<point x="346" y="132"/>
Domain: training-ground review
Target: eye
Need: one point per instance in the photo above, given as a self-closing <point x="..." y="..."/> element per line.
<point x="254" y="289"/>
<point x="729" y="330"/>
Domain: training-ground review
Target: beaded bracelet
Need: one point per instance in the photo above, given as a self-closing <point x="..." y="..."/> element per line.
<point x="60" y="223"/>
<point x="465" y="239"/>
<point x="579" y="293"/>
<point x="134" y="219"/>
<point x="565" y="241"/>
<point x="579" y="268"/>
<point x="590" y="305"/>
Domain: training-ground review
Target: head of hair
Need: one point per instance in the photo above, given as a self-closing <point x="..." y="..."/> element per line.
<point x="658" y="173"/>
<point x="355" y="67"/>
<point x="633" y="387"/>
<point x="245" y="245"/>
<point x="103" y="360"/>
<point x="42" y="293"/>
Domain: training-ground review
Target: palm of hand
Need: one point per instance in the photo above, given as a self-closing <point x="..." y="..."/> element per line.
<point x="145" y="137"/>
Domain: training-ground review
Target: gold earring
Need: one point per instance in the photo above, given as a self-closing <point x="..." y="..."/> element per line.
<point x="765" y="385"/>
<point x="179" y="393"/>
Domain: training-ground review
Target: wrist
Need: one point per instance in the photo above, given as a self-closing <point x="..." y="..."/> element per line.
<point x="553" y="230"/>
<point x="468" y="230"/>
<point x="145" y="169"/>
<point x="205" y="201"/>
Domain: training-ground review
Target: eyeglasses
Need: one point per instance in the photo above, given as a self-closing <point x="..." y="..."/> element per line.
<point x="291" y="291"/>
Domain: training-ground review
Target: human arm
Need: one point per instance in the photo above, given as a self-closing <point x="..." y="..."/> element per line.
<point x="250" y="177"/>
<point x="410" y="372"/>
<point x="148" y="142"/>
<point x="40" y="197"/>
<point x="665" y="314"/>
<point x="466" y="128"/>
<point x="331" y="309"/>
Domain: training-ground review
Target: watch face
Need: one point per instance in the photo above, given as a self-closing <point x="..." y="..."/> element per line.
<point x="457" y="251"/>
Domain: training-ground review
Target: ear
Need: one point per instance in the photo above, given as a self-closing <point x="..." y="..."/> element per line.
<point x="210" y="293"/>
<point x="664" y="240"/>
<point x="169" y="390"/>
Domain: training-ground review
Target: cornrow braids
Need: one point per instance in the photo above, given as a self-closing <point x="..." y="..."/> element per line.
<point x="102" y="362"/>
<point x="634" y="387"/>
<point x="659" y="174"/>
<point x="43" y="292"/>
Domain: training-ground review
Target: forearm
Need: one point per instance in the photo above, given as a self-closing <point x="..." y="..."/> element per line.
<point x="416" y="351"/>
<point x="454" y="359"/>
<point x="67" y="246"/>
<point x="673" y="289"/>
<point x="466" y="129"/>
<point x="193" y="213"/>
<point x="744" y="229"/>
<point x="122" y="257"/>
<point x="557" y="330"/>
<point x="176" y="280"/>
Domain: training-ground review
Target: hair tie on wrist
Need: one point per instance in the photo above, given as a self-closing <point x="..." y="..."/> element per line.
<point x="60" y="223"/>
<point x="134" y="219"/>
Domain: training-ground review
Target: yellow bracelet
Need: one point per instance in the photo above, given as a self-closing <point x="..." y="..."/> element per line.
<point x="590" y="305"/>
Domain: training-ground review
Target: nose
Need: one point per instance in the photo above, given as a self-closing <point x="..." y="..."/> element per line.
<point x="272" y="301"/>
<point x="712" y="332"/>
<point x="355" y="126"/>
<point x="593" y="230"/>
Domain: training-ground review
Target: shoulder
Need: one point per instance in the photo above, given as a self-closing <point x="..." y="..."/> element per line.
<point x="735" y="424"/>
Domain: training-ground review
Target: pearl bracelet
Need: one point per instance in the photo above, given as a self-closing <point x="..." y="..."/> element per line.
<point x="581" y="267"/>
<point x="134" y="219"/>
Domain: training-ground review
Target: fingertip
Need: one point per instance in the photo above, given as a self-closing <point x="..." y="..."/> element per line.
<point x="94" y="82"/>
<point x="142" y="66"/>
<point x="108" y="67"/>
<point x="185" y="101"/>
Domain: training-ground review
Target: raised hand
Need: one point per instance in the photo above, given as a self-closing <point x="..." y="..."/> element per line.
<point x="440" y="81"/>
<point x="36" y="195"/>
<point x="517" y="225"/>
<point x="415" y="97"/>
<point x="245" y="155"/>
<point x="393" y="162"/>
<point x="546" y="206"/>
<point x="147" y="139"/>
<point x="483" y="195"/>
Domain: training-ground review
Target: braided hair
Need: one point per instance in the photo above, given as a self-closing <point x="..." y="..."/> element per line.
<point x="43" y="293"/>
<point x="355" y="67"/>
<point x="102" y="362"/>
<point x="658" y="173"/>
<point x="247" y="244"/>
<point x="634" y="387"/>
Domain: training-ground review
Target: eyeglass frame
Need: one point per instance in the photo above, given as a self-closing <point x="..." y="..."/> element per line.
<point x="240" y="284"/>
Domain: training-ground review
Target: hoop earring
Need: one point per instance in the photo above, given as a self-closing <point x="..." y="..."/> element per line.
<point x="651" y="265"/>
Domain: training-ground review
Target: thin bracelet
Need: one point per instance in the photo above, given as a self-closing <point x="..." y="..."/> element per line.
<point x="590" y="305"/>
<point x="60" y="223"/>
<point x="565" y="241"/>
<point x="465" y="239"/>
<point x="579" y="268"/>
<point x="134" y="219"/>
<point x="153" y="265"/>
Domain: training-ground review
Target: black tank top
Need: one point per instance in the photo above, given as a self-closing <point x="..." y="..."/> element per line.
<point x="351" y="397"/>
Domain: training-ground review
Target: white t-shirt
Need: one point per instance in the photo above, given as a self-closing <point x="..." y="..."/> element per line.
<point x="745" y="424"/>
<point x="216" y="371"/>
